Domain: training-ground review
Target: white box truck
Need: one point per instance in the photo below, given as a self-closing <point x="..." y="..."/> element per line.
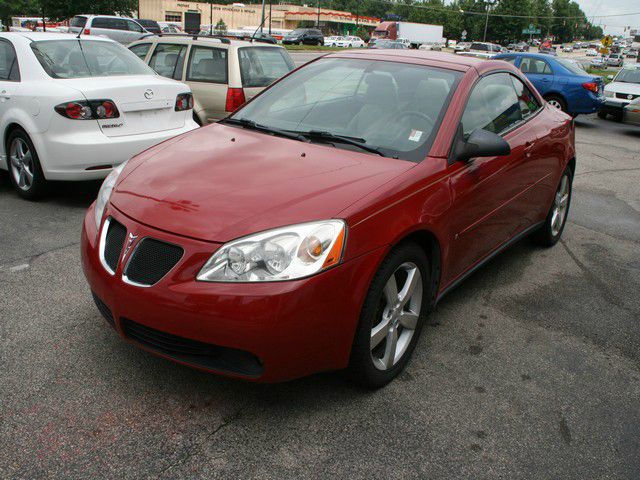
<point x="414" y="34"/>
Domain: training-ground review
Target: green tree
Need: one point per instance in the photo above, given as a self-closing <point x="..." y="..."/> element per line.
<point x="13" y="8"/>
<point x="220" y="28"/>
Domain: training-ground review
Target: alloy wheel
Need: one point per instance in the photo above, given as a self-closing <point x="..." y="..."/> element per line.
<point x="398" y="316"/>
<point x="22" y="164"/>
<point x="560" y="206"/>
<point x="555" y="103"/>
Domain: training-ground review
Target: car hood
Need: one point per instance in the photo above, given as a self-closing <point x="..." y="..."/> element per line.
<point x="219" y="182"/>
<point x="623" y="87"/>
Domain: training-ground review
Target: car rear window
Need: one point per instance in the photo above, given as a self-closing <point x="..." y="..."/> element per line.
<point x="260" y="66"/>
<point x="78" y="21"/>
<point x="87" y="58"/>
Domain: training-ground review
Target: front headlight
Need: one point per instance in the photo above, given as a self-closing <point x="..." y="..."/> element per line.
<point x="105" y="193"/>
<point x="608" y="94"/>
<point x="283" y="253"/>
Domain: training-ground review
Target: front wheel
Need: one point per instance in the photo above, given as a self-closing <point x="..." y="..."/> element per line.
<point x="392" y="317"/>
<point x="24" y="166"/>
<point x="551" y="230"/>
<point x="602" y="114"/>
<point x="557" y="102"/>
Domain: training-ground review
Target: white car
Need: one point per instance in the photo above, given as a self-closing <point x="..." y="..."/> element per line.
<point x="333" y="41"/>
<point x="73" y="109"/>
<point x="355" y="42"/>
<point x="120" y="29"/>
<point x="591" y="52"/>
<point x="621" y="91"/>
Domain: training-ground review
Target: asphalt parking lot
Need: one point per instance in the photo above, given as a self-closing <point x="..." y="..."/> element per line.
<point x="530" y="369"/>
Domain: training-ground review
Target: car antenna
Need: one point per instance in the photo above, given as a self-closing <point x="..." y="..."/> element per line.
<point x="259" y="27"/>
<point x="80" y="32"/>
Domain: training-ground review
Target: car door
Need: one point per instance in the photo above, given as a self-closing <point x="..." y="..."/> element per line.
<point x="487" y="210"/>
<point x="208" y="76"/>
<point x="134" y="31"/>
<point x="539" y="72"/>
<point x="9" y="80"/>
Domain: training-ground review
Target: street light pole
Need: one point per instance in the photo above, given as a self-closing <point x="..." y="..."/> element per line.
<point x="486" y="23"/>
<point x="318" y="20"/>
<point x="262" y="18"/>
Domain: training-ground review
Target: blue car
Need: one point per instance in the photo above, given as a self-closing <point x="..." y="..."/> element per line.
<point x="562" y="83"/>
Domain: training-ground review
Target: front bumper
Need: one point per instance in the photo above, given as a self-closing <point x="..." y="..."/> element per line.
<point x="613" y="106"/>
<point x="292" y="328"/>
<point x="72" y="155"/>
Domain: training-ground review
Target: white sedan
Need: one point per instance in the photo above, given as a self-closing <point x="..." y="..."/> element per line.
<point x="354" y="42"/>
<point x="73" y="109"/>
<point x="591" y="52"/>
<point x="333" y="41"/>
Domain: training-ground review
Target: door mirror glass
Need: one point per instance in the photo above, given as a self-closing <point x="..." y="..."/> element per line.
<point x="480" y="143"/>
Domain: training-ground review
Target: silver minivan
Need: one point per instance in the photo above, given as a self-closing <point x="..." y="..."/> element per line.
<point x="123" y="30"/>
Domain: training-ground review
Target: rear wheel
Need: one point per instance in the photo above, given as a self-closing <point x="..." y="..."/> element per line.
<point x="551" y="230"/>
<point x="602" y="114"/>
<point x="557" y="102"/>
<point x="24" y="166"/>
<point x="392" y="317"/>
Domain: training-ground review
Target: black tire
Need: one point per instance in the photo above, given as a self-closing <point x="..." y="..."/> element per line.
<point x="37" y="186"/>
<point x="602" y="114"/>
<point x="547" y="236"/>
<point x="560" y="101"/>
<point x="197" y="119"/>
<point x="617" y="117"/>
<point x="361" y="365"/>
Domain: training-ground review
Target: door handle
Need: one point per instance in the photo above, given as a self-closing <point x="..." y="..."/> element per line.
<point x="528" y="146"/>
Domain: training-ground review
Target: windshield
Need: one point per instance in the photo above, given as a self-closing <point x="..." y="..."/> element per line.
<point x="394" y="107"/>
<point x="297" y="31"/>
<point x="87" y="58"/>
<point x="628" y="75"/>
<point x="571" y="66"/>
<point x="260" y="66"/>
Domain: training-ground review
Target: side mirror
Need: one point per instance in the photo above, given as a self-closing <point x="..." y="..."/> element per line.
<point x="480" y="143"/>
<point x="610" y="77"/>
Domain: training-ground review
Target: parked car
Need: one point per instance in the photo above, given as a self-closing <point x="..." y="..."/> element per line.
<point x="482" y="50"/>
<point x="621" y="91"/>
<point x="599" y="62"/>
<point x="333" y="41"/>
<point x="615" y="60"/>
<point x="303" y="236"/>
<point x="591" y="52"/>
<point x="522" y="47"/>
<point x="567" y="49"/>
<point x="561" y="83"/>
<point x="354" y="42"/>
<point x="222" y="73"/>
<point x="631" y="53"/>
<point x="150" y="25"/>
<point x="462" y="47"/>
<point x="95" y="106"/>
<point x="168" y="27"/>
<point x="304" y="36"/>
<point x="631" y="113"/>
<point x="382" y="43"/>
<point x="123" y="30"/>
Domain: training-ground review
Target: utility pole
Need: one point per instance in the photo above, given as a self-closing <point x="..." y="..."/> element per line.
<point x="262" y="18"/>
<point x="318" y="20"/>
<point x="486" y="23"/>
<point x="269" y="17"/>
<point x="357" y="16"/>
<point x="210" y="17"/>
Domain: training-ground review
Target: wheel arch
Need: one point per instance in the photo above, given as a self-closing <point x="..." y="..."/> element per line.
<point x="9" y="129"/>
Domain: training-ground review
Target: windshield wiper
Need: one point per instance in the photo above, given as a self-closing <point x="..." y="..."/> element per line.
<point x="250" y="124"/>
<point x="332" y="137"/>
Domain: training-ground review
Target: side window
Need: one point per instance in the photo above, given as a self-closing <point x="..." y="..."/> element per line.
<point x="8" y="62"/>
<point x="528" y="103"/>
<point x="492" y="105"/>
<point x="207" y="65"/>
<point x="100" y="22"/>
<point x="167" y="60"/>
<point x="534" y="65"/>
<point x="133" y="26"/>
<point x="141" y="50"/>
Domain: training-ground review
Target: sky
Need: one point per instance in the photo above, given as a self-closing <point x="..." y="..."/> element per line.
<point x="614" y="25"/>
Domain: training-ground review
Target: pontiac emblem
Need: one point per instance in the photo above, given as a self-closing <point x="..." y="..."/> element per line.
<point x="148" y="94"/>
<point x="132" y="239"/>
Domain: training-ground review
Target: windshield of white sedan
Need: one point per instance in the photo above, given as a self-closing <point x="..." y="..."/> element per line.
<point x="393" y="108"/>
<point x="87" y="58"/>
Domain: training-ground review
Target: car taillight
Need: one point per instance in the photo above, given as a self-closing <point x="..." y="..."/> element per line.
<point x="235" y="98"/>
<point x="86" y="32"/>
<point x="184" y="101"/>
<point x="592" y="86"/>
<point x="88" y="110"/>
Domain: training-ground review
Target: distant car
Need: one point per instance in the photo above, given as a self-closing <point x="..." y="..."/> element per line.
<point x="561" y="83"/>
<point x="631" y="112"/>
<point x="567" y="49"/>
<point x="150" y="25"/>
<point x="511" y="47"/>
<point x="96" y="106"/>
<point x="168" y="27"/>
<point x="354" y="42"/>
<point x="577" y="45"/>
<point x="304" y="36"/>
<point x="436" y="47"/>
<point x="384" y="44"/>
<point x="621" y="91"/>
<point x="598" y="62"/>
<point x="262" y="37"/>
<point x="122" y="30"/>
<point x="333" y="41"/>
<point x="522" y="47"/>
<point x="482" y="50"/>
<point x="591" y="52"/>
<point x="615" y="60"/>
<point x="462" y="47"/>
<point x="631" y="53"/>
<point x="222" y="73"/>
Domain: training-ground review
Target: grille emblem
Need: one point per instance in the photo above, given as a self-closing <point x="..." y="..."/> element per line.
<point x="148" y="94"/>
<point x="630" y="97"/>
<point x="132" y="239"/>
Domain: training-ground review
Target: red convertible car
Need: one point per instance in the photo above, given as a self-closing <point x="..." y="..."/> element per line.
<point x="316" y="227"/>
